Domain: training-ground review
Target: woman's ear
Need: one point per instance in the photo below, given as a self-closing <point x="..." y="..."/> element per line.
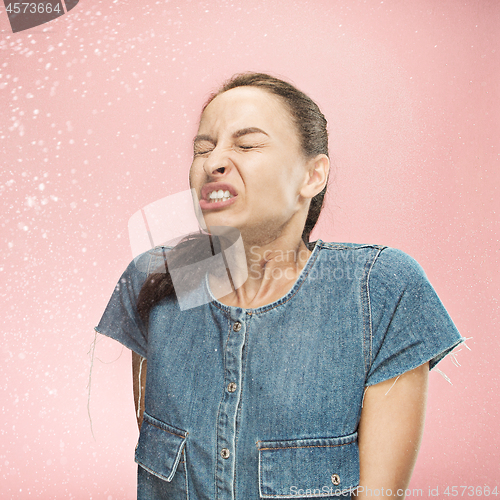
<point x="317" y="176"/>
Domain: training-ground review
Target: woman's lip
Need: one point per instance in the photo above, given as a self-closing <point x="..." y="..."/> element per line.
<point x="216" y="186"/>
<point x="212" y="205"/>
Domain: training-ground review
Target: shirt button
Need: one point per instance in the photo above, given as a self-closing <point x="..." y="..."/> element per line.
<point x="237" y="326"/>
<point x="231" y="387"/>
<point x="335" y="479"/>
<point x="224" y="453"/>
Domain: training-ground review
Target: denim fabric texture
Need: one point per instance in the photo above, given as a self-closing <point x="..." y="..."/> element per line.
<point x="356" y="316"/>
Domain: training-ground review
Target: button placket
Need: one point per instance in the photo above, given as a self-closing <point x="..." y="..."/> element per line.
<point x="228" y="408"/>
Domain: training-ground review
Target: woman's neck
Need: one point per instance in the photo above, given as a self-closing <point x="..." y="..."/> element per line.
<point x="273" y="267"/>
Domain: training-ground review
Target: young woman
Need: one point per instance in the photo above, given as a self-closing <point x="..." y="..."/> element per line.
<point x="310" y="378"/>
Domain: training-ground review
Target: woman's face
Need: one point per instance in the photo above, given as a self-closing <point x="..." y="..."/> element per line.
<point x="248" y="168"/>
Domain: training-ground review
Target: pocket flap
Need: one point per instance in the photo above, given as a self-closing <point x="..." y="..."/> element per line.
<point x="308" y="467"/>
<point x="160" y="447"/>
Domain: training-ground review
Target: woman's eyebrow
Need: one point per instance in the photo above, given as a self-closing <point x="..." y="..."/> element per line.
<point x="238" y="133"/>
<point x="203" y="137"/>
<point x="249" y="130"/>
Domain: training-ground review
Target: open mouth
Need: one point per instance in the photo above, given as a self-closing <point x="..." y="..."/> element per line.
<point x="219" y="195"/>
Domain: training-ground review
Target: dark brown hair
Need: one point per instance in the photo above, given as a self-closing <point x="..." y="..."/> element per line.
<point x="311" y="127"/>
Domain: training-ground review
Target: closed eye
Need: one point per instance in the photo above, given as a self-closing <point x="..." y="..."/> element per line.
<point x="203" y="149"/>
<point x="249" y="147"/>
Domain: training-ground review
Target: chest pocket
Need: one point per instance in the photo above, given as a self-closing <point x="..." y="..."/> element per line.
<point x="310" y="468"/>
<point x="160" y="451"/>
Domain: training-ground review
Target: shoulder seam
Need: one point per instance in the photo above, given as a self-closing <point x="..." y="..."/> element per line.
<point x="370" y="325"/>
<point x="356" y="246"/>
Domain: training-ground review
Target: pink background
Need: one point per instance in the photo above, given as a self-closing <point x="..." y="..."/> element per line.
<point x="98" y="109"/>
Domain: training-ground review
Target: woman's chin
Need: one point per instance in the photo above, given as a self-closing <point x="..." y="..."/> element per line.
<point x="213" y="219"/>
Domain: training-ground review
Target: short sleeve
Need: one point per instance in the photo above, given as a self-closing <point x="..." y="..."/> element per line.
<point x="408" y="323"/>
<point x="120" y="320"/>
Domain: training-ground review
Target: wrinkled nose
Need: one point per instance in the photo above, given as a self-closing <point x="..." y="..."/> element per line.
<point x="217" y="164"/>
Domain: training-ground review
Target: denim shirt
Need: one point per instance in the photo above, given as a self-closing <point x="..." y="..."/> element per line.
<point x="259" y="403"/>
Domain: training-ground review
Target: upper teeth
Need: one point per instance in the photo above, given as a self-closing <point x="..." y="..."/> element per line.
<point x="220" y="195"/>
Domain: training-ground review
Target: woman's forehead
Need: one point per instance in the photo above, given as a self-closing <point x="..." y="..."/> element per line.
<point x="246" y="103"/>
